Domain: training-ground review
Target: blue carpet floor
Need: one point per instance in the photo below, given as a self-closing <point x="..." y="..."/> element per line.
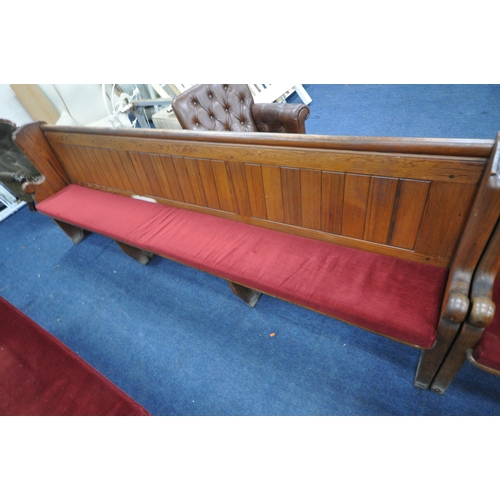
<point x="456" y="111"/>
<point x="180" y="343"/>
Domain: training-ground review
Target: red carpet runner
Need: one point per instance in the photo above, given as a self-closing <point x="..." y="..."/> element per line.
<point x="41" y="376"/>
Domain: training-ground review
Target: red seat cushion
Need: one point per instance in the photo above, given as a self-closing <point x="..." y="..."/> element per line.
<point x="394" y="297"/>
<point x="487" y="350"/>
<point x="41" y="376"/>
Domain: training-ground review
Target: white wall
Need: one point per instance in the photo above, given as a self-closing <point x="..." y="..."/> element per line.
<point x="11" y="107"/>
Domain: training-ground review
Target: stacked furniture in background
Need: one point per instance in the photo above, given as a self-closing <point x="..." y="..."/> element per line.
<point x="384" y="233"/>
<point x="72" y="104"/>
<point x="9" y="204"/>
<point x="278" y="92"/>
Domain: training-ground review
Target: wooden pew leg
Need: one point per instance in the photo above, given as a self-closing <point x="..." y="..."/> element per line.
<point x="428" y="366"/>
<point x="447" y="372"/>
<point x="430" y="360"/>
<point x="468" y="338"/>
<point x="76" y="233"/>
<point x="141" y="256"/>
<point x="248" y="295"/>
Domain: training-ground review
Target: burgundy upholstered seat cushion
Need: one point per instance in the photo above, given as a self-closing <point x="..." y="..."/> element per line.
<point x="394" y="297"/>
<point x="487" y="350"/>
<point x="41" y="376"/>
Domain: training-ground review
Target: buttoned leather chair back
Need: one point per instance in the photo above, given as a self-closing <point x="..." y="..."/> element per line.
<point x="230" y="107"/>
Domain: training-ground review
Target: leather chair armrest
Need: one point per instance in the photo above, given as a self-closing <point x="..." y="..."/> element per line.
<point x="280" y="117"/>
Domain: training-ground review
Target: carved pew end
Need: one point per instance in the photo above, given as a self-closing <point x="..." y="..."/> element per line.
<point x="248" y="295"/>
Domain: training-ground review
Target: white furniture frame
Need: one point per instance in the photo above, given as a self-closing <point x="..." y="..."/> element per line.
<point x="277" y="91"/>
<point x="8" y="203"/>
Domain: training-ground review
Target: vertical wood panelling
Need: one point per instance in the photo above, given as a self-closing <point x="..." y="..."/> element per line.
<point x="145" y="162"/>
<point x="332" y="201"/>
<point x="310" y="181"/>
<point x="110" y="166"/>
<point x="416" y="211"/>
<point x="271" y="177"/>
<point x="128" y="169"/>
<point x="408" y="211"/>
<point x="82" y="163"/>
<point x="97" y="167"/>
<point x="239" y="188"/>
<point x="447" y="207"/>
<point x="173" y="182"/>
<point x="290" y="184"/>
<point x="161" y="177"/>
<point x="355" y="199"/>
<point x="195" y="180"/>
<point x="183" y="178"/>
<point x="72" y="167"/>
<point x="208" y="181"/>
<point x="88" y="159"/>
<point x="119" y="168"/>
<point x="379" y="209"/>
<point x="140" y="161"/>
<point x="256" y="190"/>
<point x="102" y="163"/>
<point x="222" y="182"/>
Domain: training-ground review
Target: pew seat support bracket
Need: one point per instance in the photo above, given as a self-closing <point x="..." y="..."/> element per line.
<point x="248" y="295"/>
<point x="77" y="234"/>
<point x="141" y="256"/>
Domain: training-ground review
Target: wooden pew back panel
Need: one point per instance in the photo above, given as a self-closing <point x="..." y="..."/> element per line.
<point x="411" y="204"/>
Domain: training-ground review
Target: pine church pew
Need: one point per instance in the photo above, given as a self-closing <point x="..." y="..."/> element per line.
<point x="383" y="233"/>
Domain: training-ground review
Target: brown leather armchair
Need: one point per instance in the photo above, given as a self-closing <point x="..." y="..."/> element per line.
<point x="231" y="107"/>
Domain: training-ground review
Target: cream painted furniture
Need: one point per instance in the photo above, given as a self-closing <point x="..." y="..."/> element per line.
<point x="71" y="104"/>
